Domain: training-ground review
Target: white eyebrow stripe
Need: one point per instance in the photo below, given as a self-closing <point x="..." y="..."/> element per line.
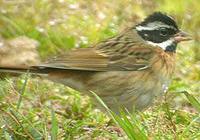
<point x="153" y="26"/>
<point x="141" y="28"/>
<point x="162" y="45"/>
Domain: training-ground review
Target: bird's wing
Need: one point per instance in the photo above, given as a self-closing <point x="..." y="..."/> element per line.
<point x="79" y="59"/>
<point x="116" y="57"/>
<point x="124" y="52"/>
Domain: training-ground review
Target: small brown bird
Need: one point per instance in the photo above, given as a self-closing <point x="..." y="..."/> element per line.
<point x="128" y="70"/>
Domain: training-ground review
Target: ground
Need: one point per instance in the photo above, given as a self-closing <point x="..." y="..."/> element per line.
<point x="33" y="108"/>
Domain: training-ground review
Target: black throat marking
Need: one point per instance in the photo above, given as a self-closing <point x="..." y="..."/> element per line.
<point x="171" y="48"/>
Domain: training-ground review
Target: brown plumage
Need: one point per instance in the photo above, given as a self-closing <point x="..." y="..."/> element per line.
<point x="124" y="71"/>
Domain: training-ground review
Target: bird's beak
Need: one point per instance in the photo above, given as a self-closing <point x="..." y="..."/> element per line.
<point x="182" y="36"/>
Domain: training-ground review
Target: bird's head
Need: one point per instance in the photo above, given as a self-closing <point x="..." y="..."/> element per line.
<point x="161" y="30"/>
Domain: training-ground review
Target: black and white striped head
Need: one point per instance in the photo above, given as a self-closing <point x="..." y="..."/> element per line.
<point x="161" y="30"/>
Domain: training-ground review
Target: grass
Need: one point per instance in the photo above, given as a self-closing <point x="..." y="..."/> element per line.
<point x="45" y="110"/>
<point x="128" y="122"/>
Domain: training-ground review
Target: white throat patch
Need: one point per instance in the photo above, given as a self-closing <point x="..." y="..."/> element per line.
<point x="162" y="45"/>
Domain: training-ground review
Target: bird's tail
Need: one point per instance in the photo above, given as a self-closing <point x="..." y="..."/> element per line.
<point x="21" y="70"/>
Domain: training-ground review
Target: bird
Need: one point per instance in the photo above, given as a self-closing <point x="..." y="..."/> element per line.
<point x="129" y="70"/>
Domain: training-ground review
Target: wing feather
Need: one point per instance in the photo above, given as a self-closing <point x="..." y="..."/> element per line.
<point x="115" y="54"/>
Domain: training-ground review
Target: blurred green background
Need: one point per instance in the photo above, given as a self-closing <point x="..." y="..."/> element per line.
<point x="59" y="25"/>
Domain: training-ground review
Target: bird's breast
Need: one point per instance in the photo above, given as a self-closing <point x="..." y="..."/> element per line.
<point x="163" y="65"/>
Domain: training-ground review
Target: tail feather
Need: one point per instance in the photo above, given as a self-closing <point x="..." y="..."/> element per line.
<point x="21" y="70"/>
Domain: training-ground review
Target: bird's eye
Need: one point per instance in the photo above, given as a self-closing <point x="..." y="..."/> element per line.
<point x="163" y="32"/>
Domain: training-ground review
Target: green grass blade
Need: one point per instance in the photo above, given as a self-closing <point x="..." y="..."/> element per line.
<point x="195" y="103"/>
<point x="54" y="125"/>
<point x="22" y="90"/>
<point x="188" y="128"/>
<point x="132" y="130"/>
